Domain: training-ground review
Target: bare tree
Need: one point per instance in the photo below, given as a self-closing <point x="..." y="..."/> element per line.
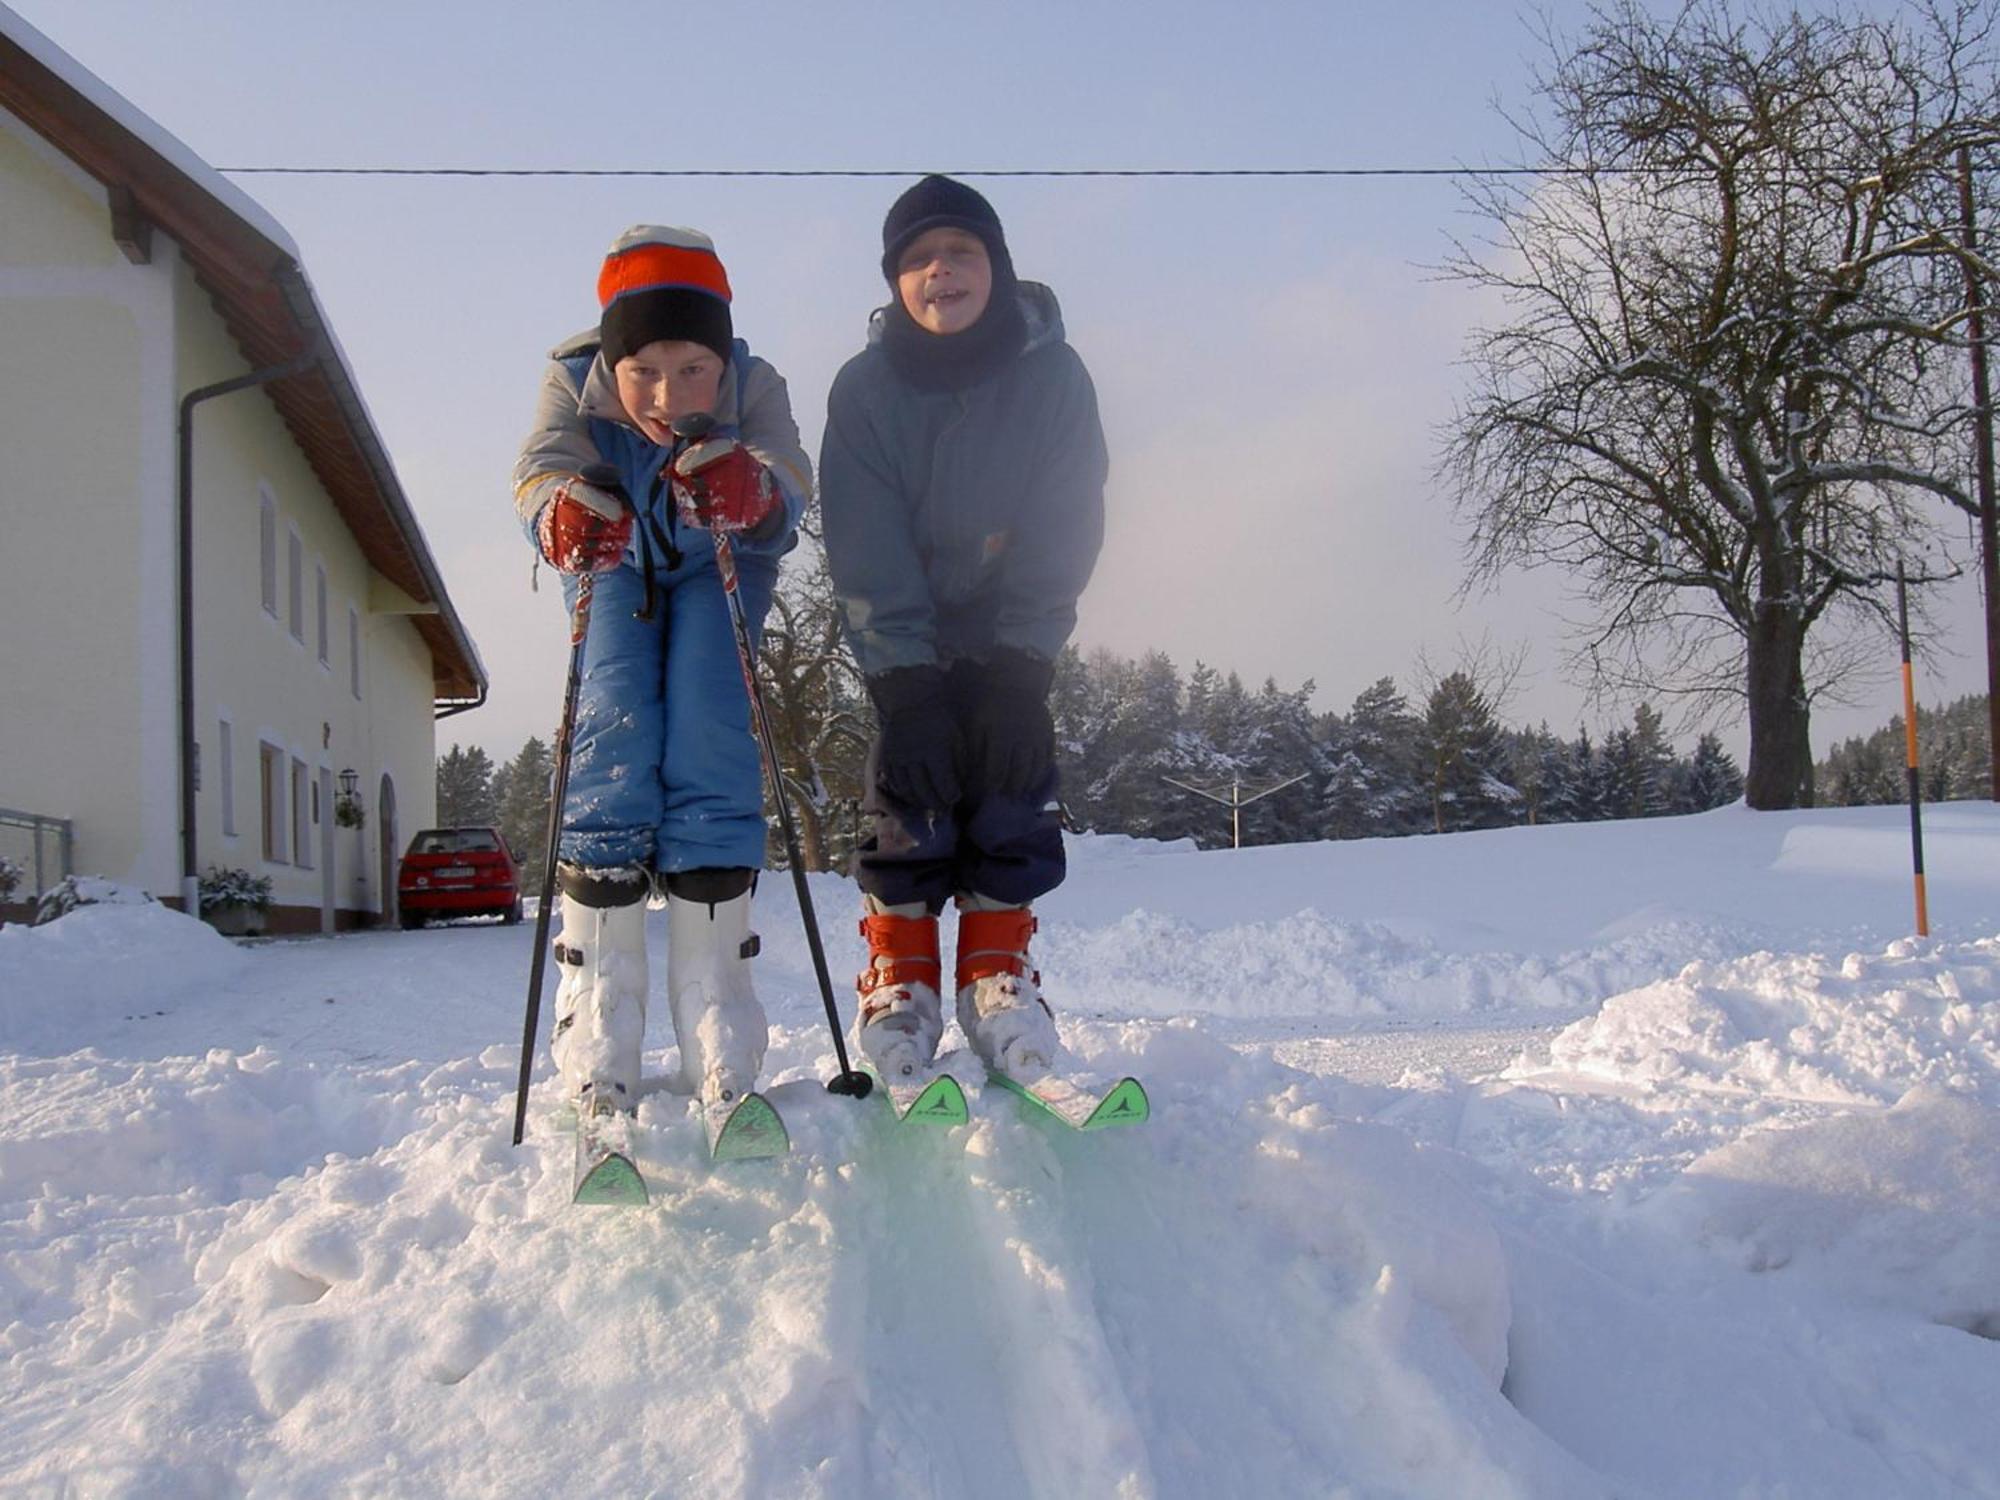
<point x="1729" y="388"/>
<point x="818" y="707"/>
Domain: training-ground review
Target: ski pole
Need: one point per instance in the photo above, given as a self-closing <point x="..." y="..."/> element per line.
<point x="605" y="478"/>
<point x="690" y="428"/>
<point x="1910" y="756"/>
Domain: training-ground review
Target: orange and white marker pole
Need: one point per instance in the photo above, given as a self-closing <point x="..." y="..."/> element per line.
<point x="1910" y="743"/>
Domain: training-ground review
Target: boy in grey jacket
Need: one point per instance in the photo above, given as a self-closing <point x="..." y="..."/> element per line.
<point x="962" y="491"/>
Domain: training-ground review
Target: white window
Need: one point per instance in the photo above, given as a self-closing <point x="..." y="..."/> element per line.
<point x="267" y="541"/>
<point x="225" y="744"/>
<point x="323" y="648"/>
<point x="301" y="815"/>
<point x="354" y="651"/>
<point x="271" y="771"/>
<point x="296" y="560"/>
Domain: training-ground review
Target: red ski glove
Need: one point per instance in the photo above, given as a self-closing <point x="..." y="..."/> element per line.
<point x="583" y="529"/>
<point x="717" y="483"/>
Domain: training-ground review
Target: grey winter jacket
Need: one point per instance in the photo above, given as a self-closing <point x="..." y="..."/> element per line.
<point x="958" y="521"/>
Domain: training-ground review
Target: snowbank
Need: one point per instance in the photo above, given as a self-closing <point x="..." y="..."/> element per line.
<point x="62" y="981"/>
<point x="1900" y="1209"/>
<point x="1866" y="1028"/>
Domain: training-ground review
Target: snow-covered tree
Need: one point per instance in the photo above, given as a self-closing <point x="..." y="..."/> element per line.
<point x="1462" y="758"/>
<point x="1712" y="780"/>
<point x="1373" y="783"/>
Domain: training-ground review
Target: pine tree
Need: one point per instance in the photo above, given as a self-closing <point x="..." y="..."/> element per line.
<point x="1346" y="785"/>
<point x="1462" y="758"/>
<point x="465" y="789"/>
<point x="1621" y="773"/>
<point x="502" y="781"/>
<point x="524" y="814"/>
<point x="1652" y="762"/>
<point x="1713" y="779"/>
<point x="1541" y="770"/>
<point x="1592" y="778"/>
<point x="1286" y="746"/>
<point x="1375" y="773"/>
<point x="1953" y="754"/>
<point x="1144" y="747"/>
<point x="1217" y="743"/>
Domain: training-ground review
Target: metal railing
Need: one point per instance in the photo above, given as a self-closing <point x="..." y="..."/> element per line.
<point x="41" y="848"/>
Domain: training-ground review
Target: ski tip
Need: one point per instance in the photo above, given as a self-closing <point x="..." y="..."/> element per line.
<point x="1126" y="1104"/>
<point x="751" y="1129"/>
<point x="942" y="1102"/>
<point x="613" y="1182"/>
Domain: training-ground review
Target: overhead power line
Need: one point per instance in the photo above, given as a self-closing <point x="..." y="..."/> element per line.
<point x="1507" y="171"/>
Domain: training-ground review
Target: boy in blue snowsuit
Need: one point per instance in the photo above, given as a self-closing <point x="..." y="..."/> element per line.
<point x="665" y="787"/>
<point x="962" y="491"/>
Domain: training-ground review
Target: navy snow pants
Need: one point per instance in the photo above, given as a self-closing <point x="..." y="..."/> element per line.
<point x="1006" y="848"/>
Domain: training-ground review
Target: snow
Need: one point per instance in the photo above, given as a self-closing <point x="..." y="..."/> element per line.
<point x="1643" y="1160"/>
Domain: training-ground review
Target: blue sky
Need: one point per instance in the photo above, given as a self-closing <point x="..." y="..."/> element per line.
<point x="1272" y="356"/>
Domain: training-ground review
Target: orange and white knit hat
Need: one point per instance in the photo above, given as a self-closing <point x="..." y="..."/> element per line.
<point x="662" y="282"/>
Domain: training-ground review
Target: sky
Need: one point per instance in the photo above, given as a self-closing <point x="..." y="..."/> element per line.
<point x="1274" y="357"/>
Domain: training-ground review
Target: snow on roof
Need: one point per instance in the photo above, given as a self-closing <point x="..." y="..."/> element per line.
<point x="148" y="130"/>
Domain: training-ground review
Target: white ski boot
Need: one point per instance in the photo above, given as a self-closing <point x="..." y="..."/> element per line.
<point x="601" y="1001"/>
<point x="1000" y="1003"/>
<point x="718" y="1020"/>
<point x="900" y="1018"/>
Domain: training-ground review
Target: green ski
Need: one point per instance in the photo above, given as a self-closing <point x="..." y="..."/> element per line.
<point x="605" y="1174"/>
<point x="748" y="1128"/>
<point x="1124" y="1103"/>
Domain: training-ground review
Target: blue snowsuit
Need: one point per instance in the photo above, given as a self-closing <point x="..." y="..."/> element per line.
<point x="665" y="773"/>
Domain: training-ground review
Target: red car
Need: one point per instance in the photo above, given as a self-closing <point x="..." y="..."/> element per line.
<point x="458" y="872"/>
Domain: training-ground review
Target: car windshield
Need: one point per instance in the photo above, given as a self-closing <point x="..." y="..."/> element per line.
<point x="456" y="841"/>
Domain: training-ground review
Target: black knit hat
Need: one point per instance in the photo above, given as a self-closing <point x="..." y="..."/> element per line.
<point x="942" y="203"/>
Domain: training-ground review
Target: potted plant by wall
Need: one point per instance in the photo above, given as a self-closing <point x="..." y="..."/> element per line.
<point x="234" y="902"/>
<point x="347" y="809"/>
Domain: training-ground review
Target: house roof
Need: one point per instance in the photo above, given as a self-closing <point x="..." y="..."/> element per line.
<point x="251" y="270"/>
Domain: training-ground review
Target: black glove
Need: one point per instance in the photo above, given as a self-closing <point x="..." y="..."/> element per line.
<point x="1012" y="738"/>
<point x="916" y="763"/>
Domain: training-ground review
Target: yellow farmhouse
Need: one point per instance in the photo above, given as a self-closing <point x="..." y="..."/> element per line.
<point x="223" y="638"/>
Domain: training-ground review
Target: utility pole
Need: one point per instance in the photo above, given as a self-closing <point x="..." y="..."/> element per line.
<point x="1236" y="801"/>
<point x="1982" y="398"/>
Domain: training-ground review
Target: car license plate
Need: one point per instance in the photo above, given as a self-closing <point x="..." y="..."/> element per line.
<point x="455" y="872"/>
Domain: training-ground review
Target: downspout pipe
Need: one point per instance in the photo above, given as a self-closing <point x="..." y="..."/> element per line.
<point x="190" y="871"/>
